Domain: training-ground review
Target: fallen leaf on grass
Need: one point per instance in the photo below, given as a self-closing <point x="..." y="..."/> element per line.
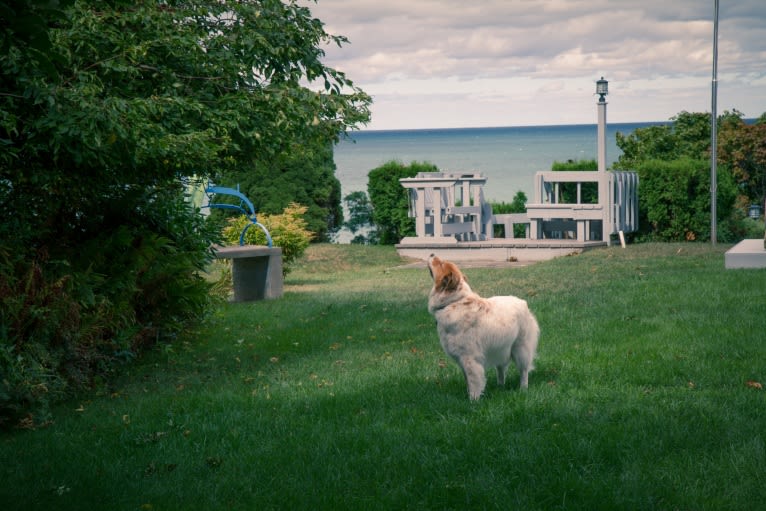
<point x="214" y="461"/>
<point x="27" y="422"/>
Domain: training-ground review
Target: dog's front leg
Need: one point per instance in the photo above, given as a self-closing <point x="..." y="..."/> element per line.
<point x="474" y="377"/>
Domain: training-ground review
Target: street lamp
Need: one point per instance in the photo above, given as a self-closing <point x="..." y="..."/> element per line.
<point x="602" y="89"/>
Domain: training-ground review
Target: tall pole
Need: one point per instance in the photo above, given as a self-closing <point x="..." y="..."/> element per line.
<point x="714" y="136"/>
<point x="602" y="133"/>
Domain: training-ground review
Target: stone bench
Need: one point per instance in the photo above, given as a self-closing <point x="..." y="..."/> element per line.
<point x="256" y="271"/>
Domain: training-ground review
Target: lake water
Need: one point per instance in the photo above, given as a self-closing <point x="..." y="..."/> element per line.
<point x="507" y="157"/>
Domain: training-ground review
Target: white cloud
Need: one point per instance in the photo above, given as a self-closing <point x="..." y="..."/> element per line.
<point x="449" y="63"/>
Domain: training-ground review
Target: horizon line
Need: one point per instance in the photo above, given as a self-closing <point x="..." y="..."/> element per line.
<point x="377" y="130"/>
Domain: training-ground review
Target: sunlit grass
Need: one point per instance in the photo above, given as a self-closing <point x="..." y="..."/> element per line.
<point x="338" y="396"/>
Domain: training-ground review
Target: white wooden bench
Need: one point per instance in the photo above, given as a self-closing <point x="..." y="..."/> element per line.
<point x="616" y="209"/>
<point x="509" y="221"/>
<point x="434" y="199"/>
<point x="256" y="271"/>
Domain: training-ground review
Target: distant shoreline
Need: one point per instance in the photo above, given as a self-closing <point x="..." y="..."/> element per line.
<point x="612" y="125"/>
<point x="495" y="128"/>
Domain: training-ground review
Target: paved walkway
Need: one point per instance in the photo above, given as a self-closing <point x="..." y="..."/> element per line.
<point x="471" y="264"/>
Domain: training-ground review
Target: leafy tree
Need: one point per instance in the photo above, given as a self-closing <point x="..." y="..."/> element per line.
<point x="742" y="149"/>
<point x="688" y="136"/>
<point x="305" y="175"/>
<point x="682" y="149"/>
<point x="390" y="201"/>
<point x="360" y="218"/>
<point x="104" y="106"/>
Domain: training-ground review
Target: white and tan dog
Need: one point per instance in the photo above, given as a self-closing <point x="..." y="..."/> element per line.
<point x="481" y="332"/>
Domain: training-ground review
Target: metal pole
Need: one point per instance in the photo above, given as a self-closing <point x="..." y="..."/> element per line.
<point x="714" y="136"/>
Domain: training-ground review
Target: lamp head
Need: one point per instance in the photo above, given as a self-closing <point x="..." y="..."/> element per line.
<point x="602" y="89"/>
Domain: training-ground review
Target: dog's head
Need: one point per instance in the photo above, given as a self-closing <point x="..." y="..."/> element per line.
<point x="446" y="275"/>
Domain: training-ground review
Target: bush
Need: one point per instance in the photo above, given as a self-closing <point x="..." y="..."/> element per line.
<point x="568" y="191"/>
<point x="575" y="165"/>
<point x="390" y="200"/>
<point x="67" y="321"/>
<point x="674" y="202"/>
<point x="518" y="205"/>
<point x="288" y="231"/>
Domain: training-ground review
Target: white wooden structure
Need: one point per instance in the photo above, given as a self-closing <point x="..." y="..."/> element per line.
<point x="611" y="209"/>
<point x="452" y="217"/>
<point x="448" y="207"/>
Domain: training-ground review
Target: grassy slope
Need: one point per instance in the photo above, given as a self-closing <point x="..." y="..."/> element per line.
<point x="338" y="396"/>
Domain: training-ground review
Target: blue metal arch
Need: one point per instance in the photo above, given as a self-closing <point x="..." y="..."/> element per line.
<point x="245" y="207"/>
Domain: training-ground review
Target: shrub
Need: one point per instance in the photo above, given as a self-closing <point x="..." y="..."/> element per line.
<point x="518" y="205"/>
<point x="575" y="165"/>
<point x="390" y="200"/>
<point x="288" y="231"/>
<point x="66" y="322"/>
<point x="568" y="191"/>
<point x="674" y="200"/>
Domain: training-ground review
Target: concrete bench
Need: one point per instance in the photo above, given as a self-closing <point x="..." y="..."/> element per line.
<point x="256" y="271"/>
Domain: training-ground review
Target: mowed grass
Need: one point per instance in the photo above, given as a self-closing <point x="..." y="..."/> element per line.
<point x="647" y="395"/>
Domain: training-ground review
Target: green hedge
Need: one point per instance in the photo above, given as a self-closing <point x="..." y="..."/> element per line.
<point x="674" y="200"/>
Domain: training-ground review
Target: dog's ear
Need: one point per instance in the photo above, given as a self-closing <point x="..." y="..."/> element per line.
<point x="444" y="285"/>
<point x="451" y="279"/>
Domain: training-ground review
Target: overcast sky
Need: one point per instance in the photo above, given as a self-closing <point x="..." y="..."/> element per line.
<point x="463" y="63"/>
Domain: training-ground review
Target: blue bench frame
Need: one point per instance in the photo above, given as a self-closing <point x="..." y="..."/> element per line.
<point x="243" y="201"/>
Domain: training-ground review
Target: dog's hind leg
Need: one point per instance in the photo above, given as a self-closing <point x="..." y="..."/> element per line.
<point x="474" y="377"/>
<point x="525" y="349"/>
<point x="501" y="370"/>
<point x="524" y="379"/>
<point x="524" y="363"/>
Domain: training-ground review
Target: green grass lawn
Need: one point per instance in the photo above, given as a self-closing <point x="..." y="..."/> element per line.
<point x="647" y="395"/>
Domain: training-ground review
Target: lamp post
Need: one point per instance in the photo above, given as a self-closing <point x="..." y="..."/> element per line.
<point x="602" y="89"/>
